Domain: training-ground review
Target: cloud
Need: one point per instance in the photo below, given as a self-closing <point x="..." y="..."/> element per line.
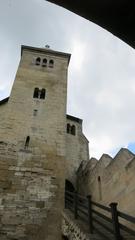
<point x="101" y="86"/>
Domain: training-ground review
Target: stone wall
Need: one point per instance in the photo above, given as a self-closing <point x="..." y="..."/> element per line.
<point x="77" y="149"/>
<point x="110" y="180"/>
<point x="26" y="195"/>
<point x="32" y="177"/>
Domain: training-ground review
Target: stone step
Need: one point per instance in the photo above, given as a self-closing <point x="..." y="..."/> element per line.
<point x="99" y="233"/>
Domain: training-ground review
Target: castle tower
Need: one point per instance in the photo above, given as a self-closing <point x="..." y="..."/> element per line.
<point x="33" y="147"/>
<point x="37" y="105"/>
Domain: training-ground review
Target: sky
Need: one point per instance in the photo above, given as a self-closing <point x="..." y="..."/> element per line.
<point x="101" y="78"/>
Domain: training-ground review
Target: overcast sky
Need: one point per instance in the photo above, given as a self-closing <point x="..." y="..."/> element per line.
<point x="101" y="81"/>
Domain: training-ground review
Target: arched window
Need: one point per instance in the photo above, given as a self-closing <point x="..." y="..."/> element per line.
<point x="68" y="128"/>
<point x="73" y="130"/>
<point x="51" y="63"/>
<point x="99" y="178"/>
<point x="44" y="63"/>
<point x="36" y="93"/>
<point x="38" y="60"/>
<point x="27" y="141"/>
<point x="42" y="93"/>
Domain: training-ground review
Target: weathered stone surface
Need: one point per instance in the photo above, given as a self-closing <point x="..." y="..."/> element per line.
<point x="111" y="180"/>
<point x="32" y="175"/>
<point x="27" y="190"/>
<point x="76" y="151"/>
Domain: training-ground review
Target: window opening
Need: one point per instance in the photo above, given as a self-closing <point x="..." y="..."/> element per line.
<point x="99" y="178"/>
<point x="68" y="128"/>
<point x="36" y="92"/>
<point x="27" y="141"/>
<point x="44" y="63"/>
<point x="35" y="112"/>
<point x="99" y="188"/>
<point x="39" y="93"/>
<point x="38" y="60"/>
<point x="73" y="130"/>
<point x="51" y="63"/>
<point x="42" y="93"/>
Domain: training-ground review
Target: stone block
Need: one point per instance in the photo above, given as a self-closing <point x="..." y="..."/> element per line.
<point x="5" y="184"/>
<point x="40" y="204"/>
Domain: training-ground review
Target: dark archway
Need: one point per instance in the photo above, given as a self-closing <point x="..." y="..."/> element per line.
<point x="69" y="186"/>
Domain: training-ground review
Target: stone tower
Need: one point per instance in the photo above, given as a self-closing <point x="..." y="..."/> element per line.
<point x="33" y="147"/>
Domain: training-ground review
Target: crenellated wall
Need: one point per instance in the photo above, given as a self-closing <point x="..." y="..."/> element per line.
<point x="110" y="180"/>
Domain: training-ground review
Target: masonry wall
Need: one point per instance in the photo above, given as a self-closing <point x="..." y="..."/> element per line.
<point x="111" y="180"/>
<point x="32" y="179"/>
<point x="77" y="150"/>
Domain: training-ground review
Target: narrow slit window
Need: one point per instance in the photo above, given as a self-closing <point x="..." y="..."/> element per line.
<point x="36" y="93"/>
<point x="44" y="63"/>
<point x="38" y="60"/>
<point x="51" y="63"/>
<point x="73" y="130"/>
<point x="99" y="188"/>
<point x="42" y="93"/>
<point x="27" y="141"/>
<point x="68" y="128"/>
<point x="35" y="112"/>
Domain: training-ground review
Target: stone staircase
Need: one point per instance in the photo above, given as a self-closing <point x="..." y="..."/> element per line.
<point x="78" y="230"/>
<point x="104" y="222"/>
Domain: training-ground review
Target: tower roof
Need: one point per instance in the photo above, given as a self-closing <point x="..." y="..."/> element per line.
<point x="45" y="50"/>
<point x="75" y="119"/>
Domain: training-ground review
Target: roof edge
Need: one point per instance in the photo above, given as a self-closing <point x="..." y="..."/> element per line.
<point x="5" y="100"/>
<point x="75" y="119"/>
<point x="45" y="50"/>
